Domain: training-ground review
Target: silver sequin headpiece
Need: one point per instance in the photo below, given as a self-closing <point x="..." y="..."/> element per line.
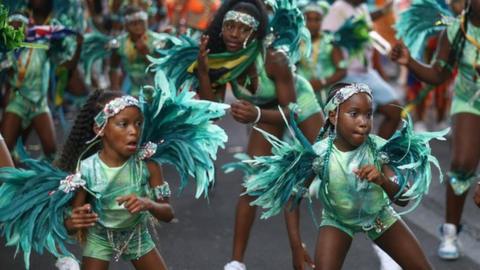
<point x="111" y="109"/>
<point x="137" y="16"/>
<point x="244" y="18"/>
<point x="345" y="93"/>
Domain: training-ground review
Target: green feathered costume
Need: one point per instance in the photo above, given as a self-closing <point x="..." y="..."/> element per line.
<point x="184" y="134"/>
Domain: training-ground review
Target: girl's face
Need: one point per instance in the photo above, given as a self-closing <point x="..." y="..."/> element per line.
<point x="314" y="22"/>
<point x="354" y="121"/>
<point x="122" y="133"/>
<point x="136" y="28"/>
<point x="234" y="35"/>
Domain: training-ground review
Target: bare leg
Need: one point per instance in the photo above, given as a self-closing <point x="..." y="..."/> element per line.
<point x="465" y="158"/>
<point x="310" y="128"/>
<point x="332" y="247"/>
<point x="400" y="243"/>
<point x="11" y="127"/>
<point x="389" y="125"/>
<point x="43" y="125"/>
<point x="89" y="263"/>
<point x="245" y="214"/>
<point x="5" y="158"/>
<point x="150" y="261"/>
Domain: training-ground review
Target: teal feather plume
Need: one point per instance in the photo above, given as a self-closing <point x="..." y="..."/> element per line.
<point x="353" y="35"/>
<point x="183" y="129"/>
<point x="32" y="209"/>
<point x="95" y="47"/>
<point x="424" y="18"/>
<point x="289" y="30"/>
<point x="409" y="155"/>
<point x="173" y="62"/>
<point x="274" y="179"/>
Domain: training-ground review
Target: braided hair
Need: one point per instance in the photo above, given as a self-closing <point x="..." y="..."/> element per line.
<point x="458" y="42"/>
<point x="82" y="131"/>
<point x="254" y="8"/>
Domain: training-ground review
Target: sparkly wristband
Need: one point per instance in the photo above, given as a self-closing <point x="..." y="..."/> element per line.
<point x="162" y="191"/>
<point x="259" y="114"/>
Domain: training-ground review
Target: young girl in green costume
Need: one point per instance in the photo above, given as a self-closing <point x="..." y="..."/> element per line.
<point x="133" y="48"/>
<point x="459" y="46"/>
<point x="324" y="66"/>
<point x="267" y="82"/>
<point x="114" y="210"/>
<point x="29" y="82"/>
<point x="357" y="178"/>
<point x="107" y="175"/>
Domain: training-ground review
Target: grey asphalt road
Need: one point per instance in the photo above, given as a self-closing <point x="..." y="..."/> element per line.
<point x="201" y="238"/>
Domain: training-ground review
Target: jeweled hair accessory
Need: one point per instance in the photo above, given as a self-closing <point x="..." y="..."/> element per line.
<point x="244" y="18"/>
<point x="112" y="108"/>
<point x="345" y="93"/>
<point x="320" y="7"/>
<point x="137" y="16"/>
<point x="18" y="18"/>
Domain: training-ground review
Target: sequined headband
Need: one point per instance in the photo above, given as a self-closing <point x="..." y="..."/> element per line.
<point x="18" y="18"/>
<point x="318" y="7"/>
<point x="111" y="109"/>
<point x="140" y="15"/>
<point x="345" y="93"/>
<point x="244" y="18"/>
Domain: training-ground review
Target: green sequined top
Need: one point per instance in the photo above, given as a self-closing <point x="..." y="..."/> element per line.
<point x="354" y="201"/>
<point x="467" y="83"/>
<point x="109" y="183"/>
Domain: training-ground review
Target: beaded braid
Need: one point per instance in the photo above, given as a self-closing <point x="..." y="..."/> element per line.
<point x="82" y="131"/>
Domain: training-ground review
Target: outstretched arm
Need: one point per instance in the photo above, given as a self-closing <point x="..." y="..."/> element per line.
<point x="434" y="73"/>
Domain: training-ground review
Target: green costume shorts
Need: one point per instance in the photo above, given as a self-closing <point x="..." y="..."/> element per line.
<point x="385" y="219"/>
<point x="103" y="243"/>
<point x="461" y="106"/>
<point x="306" y="99"/>
<point x="25" y="108"/>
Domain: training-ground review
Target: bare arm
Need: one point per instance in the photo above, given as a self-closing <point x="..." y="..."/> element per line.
<point x="340" y="72"/>
<point x="277" y="66"/>
<point x="160" y="209"/>
<point x="72" y="63"/>
<point x="206" y="91"/>
<point x="82" y="216"/>
<point x="435" y="73"/>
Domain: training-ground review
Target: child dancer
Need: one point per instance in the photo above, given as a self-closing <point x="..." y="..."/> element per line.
<point x="326" y="65"/>
<point x="358" y="176"/>
<point x="132" y="52"/>
<point x="117" y="182"/>
<point x="361" y="69"/>
<point x="459" y="45"/>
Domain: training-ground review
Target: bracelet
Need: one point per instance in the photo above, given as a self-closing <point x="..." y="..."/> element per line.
<point x="162" y="191"/>
<point x="259" y="114"/>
